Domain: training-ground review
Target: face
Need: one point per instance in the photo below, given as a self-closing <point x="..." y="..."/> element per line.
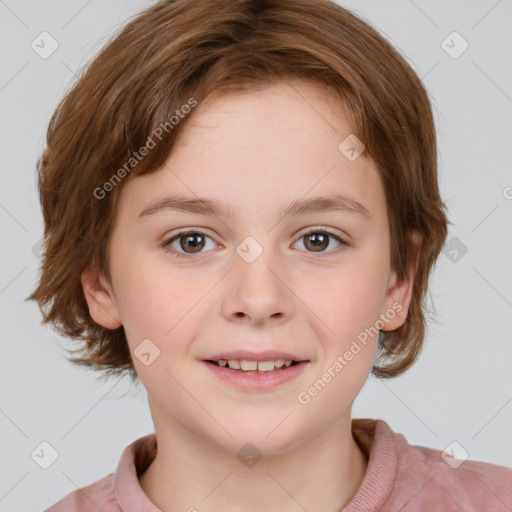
<point x="252" y="274"/>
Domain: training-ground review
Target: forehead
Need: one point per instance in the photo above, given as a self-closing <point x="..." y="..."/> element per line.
<point x="260" y="149"/>
<point x="286" y="109"/>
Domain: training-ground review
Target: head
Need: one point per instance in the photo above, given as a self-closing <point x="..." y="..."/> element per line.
<point x="241" y="103"/>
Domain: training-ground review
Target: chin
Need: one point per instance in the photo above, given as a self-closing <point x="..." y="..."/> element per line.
<point x="270" y="436"/>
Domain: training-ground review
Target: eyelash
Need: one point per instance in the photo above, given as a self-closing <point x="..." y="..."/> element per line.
<point x="177" y="254"/>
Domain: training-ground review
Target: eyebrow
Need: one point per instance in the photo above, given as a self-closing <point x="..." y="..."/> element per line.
<point x="207" y="206"/>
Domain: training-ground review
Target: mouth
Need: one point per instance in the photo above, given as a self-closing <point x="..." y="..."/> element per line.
<point x="252" y="366"/>
<point x="256" y="372"/>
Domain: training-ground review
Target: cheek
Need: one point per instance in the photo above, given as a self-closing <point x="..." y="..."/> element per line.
<point x="159" y="324"/>
<point x="153" y="304"/>
<point x="351" y="299"/>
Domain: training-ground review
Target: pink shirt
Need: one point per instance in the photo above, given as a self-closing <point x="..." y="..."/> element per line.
<point x="400" y="478"/>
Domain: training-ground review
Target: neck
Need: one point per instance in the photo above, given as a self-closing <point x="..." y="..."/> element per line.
<point x="323" y="473"/>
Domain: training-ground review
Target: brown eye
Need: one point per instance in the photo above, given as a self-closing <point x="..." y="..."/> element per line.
<point x="190" y="244"/>
<point x="318" y="241"/>
<point x="193" y="241"/>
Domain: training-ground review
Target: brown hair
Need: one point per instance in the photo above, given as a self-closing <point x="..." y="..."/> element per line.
<point x="182" y="49"/>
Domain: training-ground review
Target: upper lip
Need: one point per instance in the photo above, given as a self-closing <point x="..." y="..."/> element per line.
<point x="267" y="355"/>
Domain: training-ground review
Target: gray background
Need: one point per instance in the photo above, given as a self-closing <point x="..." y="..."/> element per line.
<point x="459" y="390"/>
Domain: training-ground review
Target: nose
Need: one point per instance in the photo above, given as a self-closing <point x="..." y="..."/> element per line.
<point x="256" y="292"/>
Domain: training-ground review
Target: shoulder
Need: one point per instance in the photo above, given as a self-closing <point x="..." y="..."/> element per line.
<point x="432" y="479"/>
<point x="117" y="490"/>
<point x="96" y="496"/>
<point x="401" y="477"/>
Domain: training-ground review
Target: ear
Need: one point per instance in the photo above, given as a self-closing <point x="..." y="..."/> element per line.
<point x="399" y="293"/>
<point x="100" y="299"/>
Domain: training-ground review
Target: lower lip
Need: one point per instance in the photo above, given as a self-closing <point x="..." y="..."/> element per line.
<point x="257" y="381"/>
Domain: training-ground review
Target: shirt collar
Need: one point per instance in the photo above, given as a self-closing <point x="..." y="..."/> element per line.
<point x="376" y="440"/>
<point x="134" y="461"/>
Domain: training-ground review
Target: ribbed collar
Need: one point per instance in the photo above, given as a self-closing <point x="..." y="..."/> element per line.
<point x="376" y="440"/>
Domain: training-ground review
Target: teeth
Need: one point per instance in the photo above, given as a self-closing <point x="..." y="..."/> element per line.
<point x="262" y="366"/>
<point x="265" y="366"/>
<point x="248" y="365"/>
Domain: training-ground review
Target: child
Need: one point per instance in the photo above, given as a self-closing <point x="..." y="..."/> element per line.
<point x="295" y="150"/>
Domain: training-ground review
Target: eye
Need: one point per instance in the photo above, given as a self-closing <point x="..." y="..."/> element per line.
<point x="317" y="240"/>
<point x="191" y="242"/>
<point x="186" y="244"/>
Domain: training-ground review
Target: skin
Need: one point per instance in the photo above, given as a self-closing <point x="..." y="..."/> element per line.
<point x="257" y="151"/>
